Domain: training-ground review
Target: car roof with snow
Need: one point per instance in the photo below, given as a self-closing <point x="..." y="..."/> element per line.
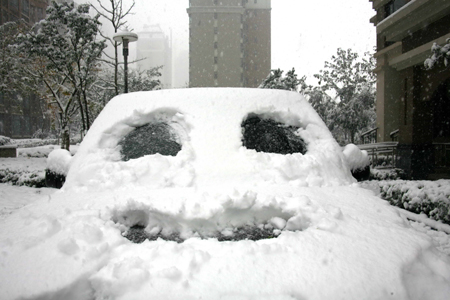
<point x="209" y="125"/>
<point x="217" y="213"/>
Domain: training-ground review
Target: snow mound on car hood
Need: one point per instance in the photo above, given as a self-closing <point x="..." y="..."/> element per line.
<point x="208" y="122"/>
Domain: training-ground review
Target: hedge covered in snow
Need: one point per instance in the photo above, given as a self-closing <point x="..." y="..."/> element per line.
<point x="23" y="177"/>
<point x="386" y="174"/>
<point x="429" y="197"/>
<point x="4" y="140"/>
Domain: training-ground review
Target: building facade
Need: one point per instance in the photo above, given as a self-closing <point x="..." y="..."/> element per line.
<point x="229" y="42"/>
<point x="413" y="103"/>
<point x="154" y="49"/>
<point x="31" y="11"/>
<point x="21" y="115"/>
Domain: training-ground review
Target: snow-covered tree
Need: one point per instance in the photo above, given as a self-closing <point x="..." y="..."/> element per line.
<point x="351" y="82"/>
<point x="114" y="12"/>
<point x="65" y="53"/>
<point x="438" y="54"/>
<point x="276" y="80"/>
<point x="144" y="80"/>
<point x="321" y="102"/>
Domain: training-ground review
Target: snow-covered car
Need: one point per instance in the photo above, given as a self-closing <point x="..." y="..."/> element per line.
<point x="214" y="194"/>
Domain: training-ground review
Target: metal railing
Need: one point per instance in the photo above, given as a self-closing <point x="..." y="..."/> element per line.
<point x="369" y="136"/>
<point x="381" y="155"/>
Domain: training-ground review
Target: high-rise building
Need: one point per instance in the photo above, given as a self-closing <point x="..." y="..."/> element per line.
<point x="229" y="42"/>
<point x="31" y="11"/>
<point x="153" y="49"/>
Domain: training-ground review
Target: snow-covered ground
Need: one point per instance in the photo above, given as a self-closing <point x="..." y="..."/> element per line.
<point x="331" y="239"/>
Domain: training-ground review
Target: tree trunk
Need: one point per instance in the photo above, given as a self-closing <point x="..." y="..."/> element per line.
<point x="65" y="137"/>
<point x="116" y="69"/>
<point x="86" y="110"/>
<point x="80" y="104"/>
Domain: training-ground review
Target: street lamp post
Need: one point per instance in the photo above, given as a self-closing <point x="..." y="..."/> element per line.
<point x="125" y="37"/>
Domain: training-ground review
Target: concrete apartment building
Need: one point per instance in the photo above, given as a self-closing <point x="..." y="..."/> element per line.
<point x="154" y="49"/>
<point x="229" y="42"/>
<point x="413" y="103"/>
<point x="31" y="11"/>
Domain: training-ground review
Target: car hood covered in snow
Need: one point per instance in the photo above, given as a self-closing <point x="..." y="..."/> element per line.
<point x="328" y="238"/>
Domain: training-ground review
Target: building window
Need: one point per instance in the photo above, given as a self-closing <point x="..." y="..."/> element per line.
<point x="216" y="75"/>
<point x="25" y="7"/>
<point x="215" y="45"/>
<point x="14" y="4"/>
<point x="216" y="60"/>
<point x="405" y="102"/>
<point x="39" y="13"/>
<point x="393" y="6"/>
<point x="215" y="16"/>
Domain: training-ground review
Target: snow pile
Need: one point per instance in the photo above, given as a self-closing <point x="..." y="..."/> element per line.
<point x="356" y="159"/>
<point x="331" y="239"/>
<point x="440" y="238"/>
<point x="70" y="246"/>
<point x="14" y="197"/>
<point x="58" y="161"/>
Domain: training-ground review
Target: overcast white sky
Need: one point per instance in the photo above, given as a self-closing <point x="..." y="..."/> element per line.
<point x="305" y="33"/>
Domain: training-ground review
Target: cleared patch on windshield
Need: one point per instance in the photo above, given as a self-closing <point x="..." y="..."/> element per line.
<point x="137" y="234"/>
<point x="150" y="139"/>
<point x="139" y="225"/>
<point x="270" y="136"/>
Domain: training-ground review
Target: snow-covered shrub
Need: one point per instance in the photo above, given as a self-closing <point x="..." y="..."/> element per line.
<point x="41" y="151"/>
<point x="358" y="162"/>
<point x="23" y="177"/>
<point x="58" y="163"/>
<point x="4" y="140"/>
<point x="386" y="174"/>
<point x="31" y="143"/>
<point x="429" y="197"/>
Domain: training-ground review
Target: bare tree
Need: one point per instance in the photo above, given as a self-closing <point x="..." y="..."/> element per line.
<point x="115" y="13"/>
